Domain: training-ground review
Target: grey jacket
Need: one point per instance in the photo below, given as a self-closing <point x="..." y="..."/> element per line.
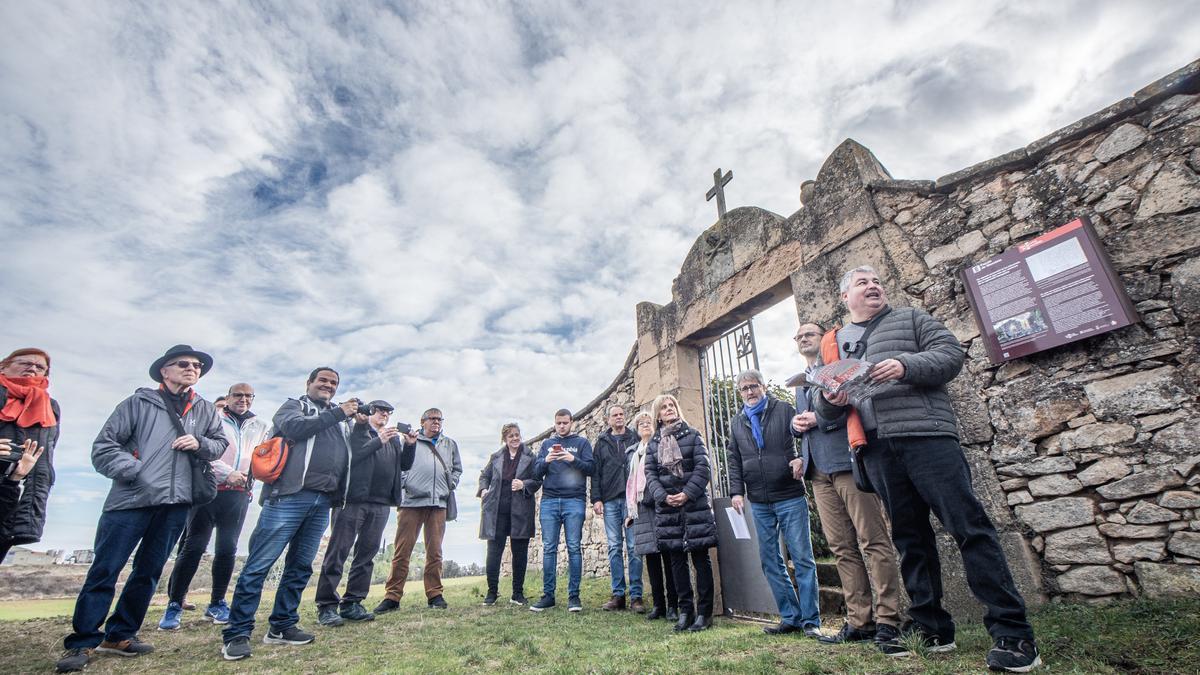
<point x="825" y="444"/>
<point x="425" y="483"/>
<point x="134" y="450"/>
<point x="524" y="502"/>
<point x="918" y="405"/>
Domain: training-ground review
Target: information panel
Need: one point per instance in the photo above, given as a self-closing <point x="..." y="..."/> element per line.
<point x="1045" y="292"/>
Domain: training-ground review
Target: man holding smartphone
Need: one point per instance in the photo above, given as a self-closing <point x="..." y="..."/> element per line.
<point x="563" y="464"/>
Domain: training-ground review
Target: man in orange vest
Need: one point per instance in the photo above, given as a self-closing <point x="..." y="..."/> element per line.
<point x="915" y="463"/>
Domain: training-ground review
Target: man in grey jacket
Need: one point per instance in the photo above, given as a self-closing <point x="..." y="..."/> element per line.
<point x="916" y="465"/>
<point x="150" y="465"/>
<point x="428" y="502"/>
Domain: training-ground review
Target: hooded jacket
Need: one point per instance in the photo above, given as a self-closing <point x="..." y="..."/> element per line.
<point x="133" y="448"/>
<point x="299" y="421"/>
<point x="564" y="479"/>
<point x="23" y="517"/>
<point x="425" y="480"/>
<point x="376" y="468"/>
<point x="608" y="453"/>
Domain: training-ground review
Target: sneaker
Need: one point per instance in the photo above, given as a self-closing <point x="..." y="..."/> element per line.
<point x="237" y="648"/>
<point x="438" y="602"/>
<point x="905" y="641"/>
<point x="356" y="612"/>
<point x="131" y="647"/>
<point x="1016" y="655"/>
<point x="288" y="636"/>
<point x="545" y="603"/>
<point x="849" y="633"/>
<point x="813" y="632"/>
<point x="328" y="616"/>
<point x="489" y="599"/>
<point x="615" y="604"/>
<point x="170" y="619"/>
<point x="519" y="600"/>
<point x="73" y="660"/>
<point x="218" y="612"/>
<point x="386" y="605"/>
<point x="573" y="604"/>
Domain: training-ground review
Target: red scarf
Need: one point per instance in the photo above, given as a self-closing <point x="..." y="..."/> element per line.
<point x="28" y="402"/>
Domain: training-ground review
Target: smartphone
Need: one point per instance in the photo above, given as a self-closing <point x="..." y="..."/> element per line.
<point x="404" y="428"/>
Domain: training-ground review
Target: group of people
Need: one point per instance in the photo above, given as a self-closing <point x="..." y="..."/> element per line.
<point x="878" y="468"/>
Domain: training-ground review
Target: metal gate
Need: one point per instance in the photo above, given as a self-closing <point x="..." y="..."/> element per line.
<point x="720" y="364"/>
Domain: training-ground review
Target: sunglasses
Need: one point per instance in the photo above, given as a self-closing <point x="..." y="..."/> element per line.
<point x="184" y="365"/>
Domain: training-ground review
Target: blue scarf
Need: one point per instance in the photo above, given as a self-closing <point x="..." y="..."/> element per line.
<point x="755" y="415"/>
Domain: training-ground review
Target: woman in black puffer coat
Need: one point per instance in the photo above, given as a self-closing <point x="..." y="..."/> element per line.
<point x="677" y="477"/>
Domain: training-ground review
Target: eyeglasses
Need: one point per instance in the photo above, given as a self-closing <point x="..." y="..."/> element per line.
<point x="184" y="365"/>
<point x="41" y="368"/>
<point x="435" y="419"/>
<point x="747" y="388"/>
<point x="240" y="395"/>
<point x="801" y="336"/>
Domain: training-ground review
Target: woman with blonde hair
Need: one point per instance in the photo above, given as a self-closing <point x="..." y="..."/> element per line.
<point x="677" y="476"/>
<point x="507" y="488"/>
<point x="640" y="506"/>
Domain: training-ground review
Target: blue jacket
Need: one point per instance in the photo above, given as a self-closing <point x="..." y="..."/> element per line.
<point x="565" y="479"/>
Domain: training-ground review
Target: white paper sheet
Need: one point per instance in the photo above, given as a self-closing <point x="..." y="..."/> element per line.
<point x="738" y="522"/>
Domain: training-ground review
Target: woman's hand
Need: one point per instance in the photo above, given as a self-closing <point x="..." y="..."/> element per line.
<point x="518" y="485"/>
<point x="677" y="500"/>
<point x="33" y="452"/>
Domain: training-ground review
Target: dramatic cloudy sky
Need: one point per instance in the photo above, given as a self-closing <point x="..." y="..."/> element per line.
<point x="459" y="204"/>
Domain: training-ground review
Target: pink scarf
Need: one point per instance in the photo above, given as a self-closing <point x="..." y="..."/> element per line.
<point x="635" y="485"/>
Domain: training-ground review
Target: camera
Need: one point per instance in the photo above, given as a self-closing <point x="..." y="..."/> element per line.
<point x="365" y="409"/>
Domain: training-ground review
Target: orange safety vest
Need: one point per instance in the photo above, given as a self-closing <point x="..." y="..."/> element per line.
<point x="829" y="354"/>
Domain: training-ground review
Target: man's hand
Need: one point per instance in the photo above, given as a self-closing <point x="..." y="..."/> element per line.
<point x="360" y="419"/>
<point x="887" y="369"/>
<point x="598" y="508"/>
<point x="186" y="443"/>
<point x="677" y="500"/>
<point x="387" y="434"/>
<point x="738" y="503"/>
<point x="566" y="456"/>
<point x="349" y="408"/>
<point x="804" y="421"/>
<point x="410" y="438"/>
<point x="236" y="479"/>
<point x="839" y="399"/>
<point x="797" y="468"/>
<point x="518" y="485"/>
<point x="29" y="457"/>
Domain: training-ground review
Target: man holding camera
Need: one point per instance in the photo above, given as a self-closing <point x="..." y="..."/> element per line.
<point x="376" y="468"/>
<point x="563" y="463"/>
<point x="295" y="513"/>
<point x="433" y="467"/>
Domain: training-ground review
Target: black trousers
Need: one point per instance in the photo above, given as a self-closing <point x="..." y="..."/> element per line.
<point x="662" y="581"/>
<point x="225" y="514"/>
<point x="700" y="604"/>
<point x="918" y="475"/>
<point x="495" y="550"/>
<point x="358" y="526"/>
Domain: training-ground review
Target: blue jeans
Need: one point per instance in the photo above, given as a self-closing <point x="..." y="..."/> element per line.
<point x="620" y="537"/>
<point x="789" y="518"/>
<point x="568" y="513"/>
<point x="154" y="531"/>
<point x="295" y="522"/>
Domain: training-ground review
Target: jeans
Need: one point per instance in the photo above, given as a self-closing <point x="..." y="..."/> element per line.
<point x="700" y="603"/>
<point x="568" y="513"/>
<point x="495" y="551"/>
<point x="153" y="530"/>
<point x="798" y="606"/>
<point x="918" y="475"/>
<point x="619" y="537"/>
<point x="295" y="522"/>
<point x="358" y="526"/>
<point x="225" y="514"/>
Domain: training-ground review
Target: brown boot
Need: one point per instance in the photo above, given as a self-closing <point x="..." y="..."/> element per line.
<point x="617" y="602"/>
<point x="638" y="606"/>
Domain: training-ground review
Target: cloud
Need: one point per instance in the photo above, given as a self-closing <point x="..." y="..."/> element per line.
<point x="459" y="204"/>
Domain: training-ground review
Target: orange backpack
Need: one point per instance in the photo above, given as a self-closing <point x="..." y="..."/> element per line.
<point x="269" y="458"/>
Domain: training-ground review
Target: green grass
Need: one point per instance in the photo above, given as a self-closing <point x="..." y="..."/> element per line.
<point x="1141" y="636"/>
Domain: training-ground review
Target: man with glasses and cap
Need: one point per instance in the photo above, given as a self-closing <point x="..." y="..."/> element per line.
<point x="142" y="450"/>
<point x="375" y="487"/>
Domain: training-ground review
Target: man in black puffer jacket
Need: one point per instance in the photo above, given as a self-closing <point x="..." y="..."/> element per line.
<point x="608" y="502"/>
<point x="915" y="463"/>
<point x="765" y="465"/>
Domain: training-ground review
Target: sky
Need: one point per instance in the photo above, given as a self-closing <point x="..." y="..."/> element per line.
<point x="458" y="204"/>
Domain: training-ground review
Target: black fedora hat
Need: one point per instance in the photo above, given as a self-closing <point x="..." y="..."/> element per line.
<point x="206" y="361"/>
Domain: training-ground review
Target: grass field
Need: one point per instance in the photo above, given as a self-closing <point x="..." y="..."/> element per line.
<point x="1142" y="637"/>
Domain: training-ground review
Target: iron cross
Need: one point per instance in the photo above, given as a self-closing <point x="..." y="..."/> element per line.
<point x="718" y="191"/>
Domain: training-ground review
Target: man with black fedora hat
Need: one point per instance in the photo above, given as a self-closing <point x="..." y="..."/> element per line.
<point x="145" y="447"/>
<point x="375" y="487"/>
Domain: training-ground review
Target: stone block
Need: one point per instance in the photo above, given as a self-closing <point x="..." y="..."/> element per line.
<point x="1116" y="531"/>
<point x="1103" y="471"/>
<point x="1182" y="81"/>
<point x="1119" y="141"/>
<point x="1185" y="288"/>
<point x="1092" y="580"/>
<point x="1155" y="422"/>
<point x="1146" y="513"/>
<point x="1167" y="581"/>
<point x="1175" y="188"/>
<point x="1177" y="438"/>
<point x="1179" y="499"/>
<point x="1185" y="543"/>
<point x="1057" y="514"/>
<point x="1128" y="552"/>
<point x="1048" y="416"/>
<point x="1077" y="545"/>
<point x="1138" y="393"/>
<point x="1163" y="236"/>
<point x="1150" y="481"/>
<point x="1039" y="467"/>
<point x="1093" y="435"/>
<point x="1054" y="485"/>
<point x="1008" y="160"/>
<point x="1019" y="497"/>
<point x="957" y="249"/>
<point x="1083" y="127"/>
<point x="1013" y="484"/>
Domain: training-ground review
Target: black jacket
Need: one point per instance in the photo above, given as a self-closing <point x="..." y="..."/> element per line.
<point x="763" y="475"/>
<point x="689" y="527"/>
<point x="328" y="468"/>
<point x="608" y="478"/>
<point x="25" y="515"/>
<point x="376" y="468"/>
